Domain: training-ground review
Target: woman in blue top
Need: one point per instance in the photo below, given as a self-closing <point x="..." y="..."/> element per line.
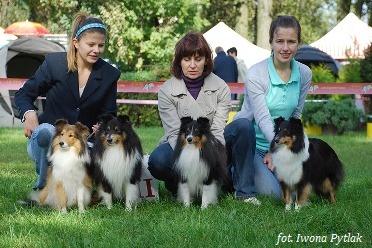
<point x="275" y="87"/>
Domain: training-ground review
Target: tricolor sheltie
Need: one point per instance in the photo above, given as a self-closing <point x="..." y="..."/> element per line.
<point x="68" y="181"/>
<point x="200" y="162"/>
<point x="303" y="164"/>
<point x="118" y="157"/>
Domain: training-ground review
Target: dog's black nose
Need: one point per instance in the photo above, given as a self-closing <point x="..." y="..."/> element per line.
<point x="61" y="143"/>
<point x="189" y="139"/>
<point x="109" y="140"/>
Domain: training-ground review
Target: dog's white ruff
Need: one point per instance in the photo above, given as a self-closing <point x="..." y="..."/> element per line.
<point x="118" y="168"/>
<point x="195" y="171"/>
<point x="69" y="168"/>
<point x="288" y="164"/>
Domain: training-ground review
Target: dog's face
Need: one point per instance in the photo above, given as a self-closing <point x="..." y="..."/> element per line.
<point x="69" y="136"/>
<point x="194" y="132"/>
<point x="113" y="130"/>
<point x="288" y="133"/>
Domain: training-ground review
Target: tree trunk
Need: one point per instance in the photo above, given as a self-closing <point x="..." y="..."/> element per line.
<point x="343" y="8"/>
<point x="263" y="22"/>
<point x="243" y="23"/>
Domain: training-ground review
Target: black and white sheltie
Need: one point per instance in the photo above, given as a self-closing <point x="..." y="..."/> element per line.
<point x="303" y="163"/>
<point x="68" y="180"/>
<point x="200" y="162"/>
<point x="117" y="156"/>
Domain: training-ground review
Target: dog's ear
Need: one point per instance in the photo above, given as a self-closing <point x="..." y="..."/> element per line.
<point x="59" y="124"/>
<point x="203" y="122"/>
<point x="186" y="120"/>
<point x="124" y="119"/>
<point x="83" y="130"/>
<point x="105" y="118"/>
<point x="296" y="122"/>
<point x="277" y="122"/>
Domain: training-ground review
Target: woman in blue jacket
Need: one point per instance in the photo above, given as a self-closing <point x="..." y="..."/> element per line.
<point x="78" y="85"/>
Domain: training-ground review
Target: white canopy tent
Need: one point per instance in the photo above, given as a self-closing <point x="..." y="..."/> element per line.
<point x="348" y="39"/>
<point x="225" y="37"/>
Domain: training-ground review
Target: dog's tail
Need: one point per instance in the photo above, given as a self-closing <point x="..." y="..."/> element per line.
<point x="339" y="174"/>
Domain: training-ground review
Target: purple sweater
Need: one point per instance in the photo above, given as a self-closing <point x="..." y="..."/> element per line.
<point x="193" y="85"/>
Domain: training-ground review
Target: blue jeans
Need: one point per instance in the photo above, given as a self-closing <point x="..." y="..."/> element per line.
<point x="160" y="166"/>
<point x="249" y="174"/>
<point x="37" y="149"/>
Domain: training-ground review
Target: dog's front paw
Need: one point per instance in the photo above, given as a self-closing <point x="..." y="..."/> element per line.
<point x="186" y="204"/>
<point x="204" y="206"/>
<point x="63" y="211"/>
<point x="288" y="207"/>
<point x="297" y="207"/>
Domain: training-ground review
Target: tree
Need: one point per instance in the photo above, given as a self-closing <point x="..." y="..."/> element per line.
<point x="221" y="10"/>
<point x="343" y="8"/>
<point x="313" y="15"/>
<point x="264" y="8"/>
<point x="12" y="11"/>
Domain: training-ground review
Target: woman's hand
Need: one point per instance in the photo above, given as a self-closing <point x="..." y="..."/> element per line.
<point x="31" y="122"/>
<point x="95" y="127"/>
<point x="268" y="160"/>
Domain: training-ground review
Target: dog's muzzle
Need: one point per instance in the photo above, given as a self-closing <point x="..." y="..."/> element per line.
<point x="62" y="144"/>
<point x="109" y="139"/>
<point x="189" y="139"/>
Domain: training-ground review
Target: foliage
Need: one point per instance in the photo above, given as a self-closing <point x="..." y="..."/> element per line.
<point x="140" y="115"/>
<point x="366" y="74"/>
<point x="139" y="76"/>
<point x="222" y="10"/>
<point x="339" y="115"/>
<point x="350" y="73"/>
<point x="313" y="16"/>
<point x="322" y="74"/>
<point x="145" y="32"/>
<point x="366" y="65"/>
<point x="13" y="11"/>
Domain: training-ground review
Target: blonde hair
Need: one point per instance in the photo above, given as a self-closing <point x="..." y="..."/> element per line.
<point x="80" y="20"/>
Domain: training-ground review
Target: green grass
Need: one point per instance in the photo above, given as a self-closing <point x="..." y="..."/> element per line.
<point x="168" y="224"/>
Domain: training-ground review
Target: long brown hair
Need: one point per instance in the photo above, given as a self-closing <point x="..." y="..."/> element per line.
<point x="80" y="20"/>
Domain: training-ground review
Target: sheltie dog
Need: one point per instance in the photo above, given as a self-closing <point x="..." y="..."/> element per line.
<point x="303" y="163"/>
<point x="200" y="162"/>
<point x="117" y="155"/>
<point x="68" y="180"/>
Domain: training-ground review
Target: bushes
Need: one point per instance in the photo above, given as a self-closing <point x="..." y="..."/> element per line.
<point x="140" y="115"/>
<point x="350" y="73"/>
<point x="322" y="74"/>
<point x="335" y="115"/>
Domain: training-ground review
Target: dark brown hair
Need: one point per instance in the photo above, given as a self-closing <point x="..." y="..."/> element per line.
<point x="285" y="22"/>
<point x="193" y="43"/>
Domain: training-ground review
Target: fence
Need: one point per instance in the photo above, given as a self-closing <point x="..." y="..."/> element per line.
<point x="9" y="85"/>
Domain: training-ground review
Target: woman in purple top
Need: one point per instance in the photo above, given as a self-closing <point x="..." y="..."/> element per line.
<point x="194" y="91"/>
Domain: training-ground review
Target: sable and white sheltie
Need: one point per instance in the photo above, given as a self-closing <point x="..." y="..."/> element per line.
<point x="68" y="181"/>
<point x="303" y="163"/>
<point x="118" y="158"/>
<point x="200" y="162"/>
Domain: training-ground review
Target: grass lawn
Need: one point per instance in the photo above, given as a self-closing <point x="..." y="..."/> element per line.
<point x="168" y="224"/>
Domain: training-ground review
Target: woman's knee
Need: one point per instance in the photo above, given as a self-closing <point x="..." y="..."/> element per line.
<point x="44" y="134"/>
<point x="240" y="128"/>
<point x="160" y="159"/>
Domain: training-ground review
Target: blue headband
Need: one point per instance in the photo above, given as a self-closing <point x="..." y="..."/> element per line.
<point x="89" y="26"/>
